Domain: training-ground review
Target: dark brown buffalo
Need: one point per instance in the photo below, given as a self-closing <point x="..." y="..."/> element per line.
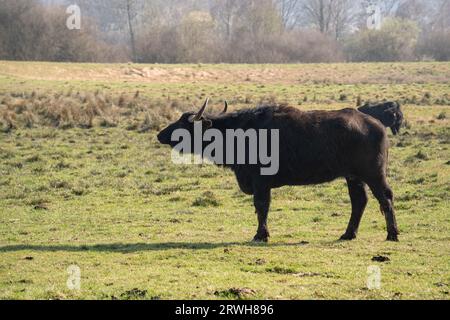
<point x="315" y="147"/>
<point x="388" y="113"/>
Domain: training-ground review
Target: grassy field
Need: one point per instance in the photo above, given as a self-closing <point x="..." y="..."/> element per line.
<point x="84" y="182"/>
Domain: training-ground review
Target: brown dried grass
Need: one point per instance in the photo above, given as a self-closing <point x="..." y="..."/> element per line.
<point x="85" y="110"/>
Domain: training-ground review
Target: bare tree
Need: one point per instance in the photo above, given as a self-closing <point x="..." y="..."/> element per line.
<point x="332" y="17"/>
<point x="319" y="13"/>
<point x="414" y="10"/>
<point x="442" y="19"/>
<point x="289" y="12"/>
<point x="389" y="7"/>
<point x="225" y="13"/>
<point x="117" y="18"/>
<point x="130" y="17"/>
<point x="344" y="16"/>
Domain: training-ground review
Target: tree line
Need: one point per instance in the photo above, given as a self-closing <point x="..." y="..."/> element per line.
<point x="226" y="31"/>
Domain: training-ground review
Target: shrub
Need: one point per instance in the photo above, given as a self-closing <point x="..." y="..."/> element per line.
<point x="435" y="45"/>
<point x="395" y="41"/>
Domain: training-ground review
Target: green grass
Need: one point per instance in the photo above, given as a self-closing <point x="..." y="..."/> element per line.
<point x="140" y="227"/>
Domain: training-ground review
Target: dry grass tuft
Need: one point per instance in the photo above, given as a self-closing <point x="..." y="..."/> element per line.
<point x="85" y="110"/>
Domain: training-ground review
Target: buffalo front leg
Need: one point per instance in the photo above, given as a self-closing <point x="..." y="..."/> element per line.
<point x="358" y="197"/>
<point x="261" y="200"/>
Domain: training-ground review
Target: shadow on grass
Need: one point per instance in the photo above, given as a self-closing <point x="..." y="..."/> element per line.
<point x="136" y="247"/>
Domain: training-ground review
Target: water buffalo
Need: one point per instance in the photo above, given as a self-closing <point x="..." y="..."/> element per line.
<point x="388" y="113"/>
<point x="314" y="147"/>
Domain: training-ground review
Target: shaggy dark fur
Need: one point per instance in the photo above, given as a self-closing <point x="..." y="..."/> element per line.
<point x="388" y="113"/>
<point x="315" y="147"/>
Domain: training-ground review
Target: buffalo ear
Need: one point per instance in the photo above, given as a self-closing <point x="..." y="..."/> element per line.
<point x="207" y="123"/>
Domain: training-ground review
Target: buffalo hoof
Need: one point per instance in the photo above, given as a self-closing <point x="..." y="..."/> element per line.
<point x="260" y="239"/>
<point x="348" y="237"/>
<point x="392" y="237"/>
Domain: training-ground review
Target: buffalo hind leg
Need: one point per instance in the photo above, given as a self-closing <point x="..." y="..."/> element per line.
<point x="383" y="192"/>
<point x="261" y="200"/>
<point x="358" y="197"/>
